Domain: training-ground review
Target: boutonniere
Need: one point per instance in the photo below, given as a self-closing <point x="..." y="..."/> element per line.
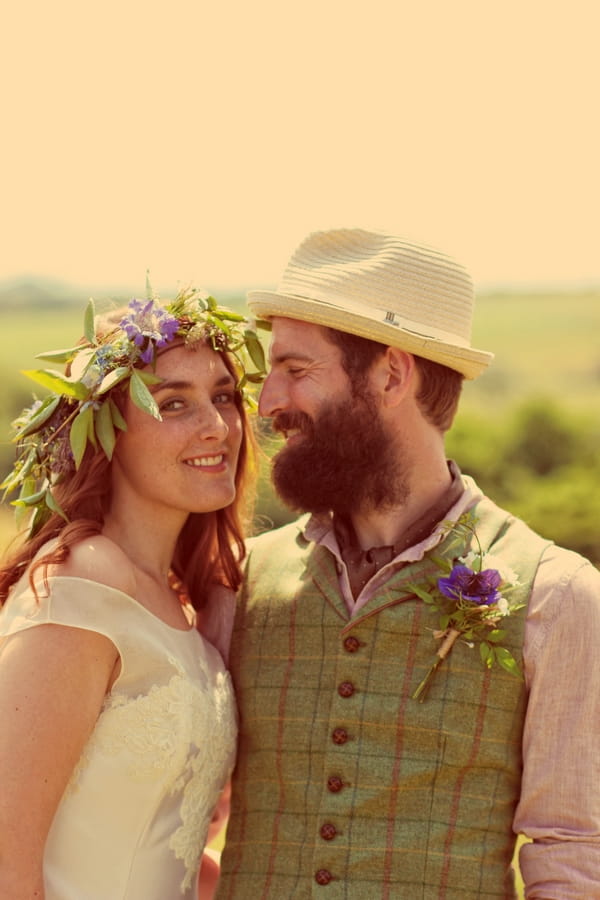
<point x="473" y="594"/>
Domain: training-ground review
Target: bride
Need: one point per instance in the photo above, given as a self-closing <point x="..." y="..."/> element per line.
<point x="118" y="719"/>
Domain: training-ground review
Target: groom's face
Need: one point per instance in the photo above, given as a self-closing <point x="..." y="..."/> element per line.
<point x="337" y="454"/>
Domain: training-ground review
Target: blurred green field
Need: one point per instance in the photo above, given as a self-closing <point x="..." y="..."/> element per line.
<point x="544" y="344"/>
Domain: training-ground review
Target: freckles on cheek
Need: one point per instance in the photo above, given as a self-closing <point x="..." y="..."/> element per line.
<point x="141" y="448"/>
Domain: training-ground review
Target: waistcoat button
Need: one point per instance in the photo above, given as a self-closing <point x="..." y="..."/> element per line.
<point x="345" y="689"/>
<point x="334" y="784"/>
<point x="328" y="831"/>
<point x="351" y="644"/>
<point x="339" y="736"/>
<point x="323" y="876"/>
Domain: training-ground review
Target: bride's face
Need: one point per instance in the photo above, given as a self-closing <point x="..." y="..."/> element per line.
<point x="188" y="461"/>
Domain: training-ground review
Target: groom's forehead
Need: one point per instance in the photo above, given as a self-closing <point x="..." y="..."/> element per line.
<point x="295" y="338"/>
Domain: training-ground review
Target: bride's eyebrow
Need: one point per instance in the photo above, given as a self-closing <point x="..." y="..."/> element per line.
<point x="173" y="384"/>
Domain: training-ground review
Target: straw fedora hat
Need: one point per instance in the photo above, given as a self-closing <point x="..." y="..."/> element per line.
<point x="380" y="287"/>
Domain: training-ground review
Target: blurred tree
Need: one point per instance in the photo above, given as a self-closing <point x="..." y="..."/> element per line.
<point x="542" y="439"/>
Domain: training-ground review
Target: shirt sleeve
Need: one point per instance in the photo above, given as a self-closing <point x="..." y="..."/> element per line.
<point x="559" y="809"/>
<point x="215" y="621"/>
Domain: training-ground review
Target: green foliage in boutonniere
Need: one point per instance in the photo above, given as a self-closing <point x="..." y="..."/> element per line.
<point x="472" y="594"/>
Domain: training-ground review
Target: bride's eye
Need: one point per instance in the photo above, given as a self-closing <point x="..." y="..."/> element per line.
<point x="224" y="398"/>
<point x="171" y="405"/>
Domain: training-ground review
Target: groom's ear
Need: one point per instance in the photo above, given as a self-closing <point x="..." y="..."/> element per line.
<point x="393" y="376"/>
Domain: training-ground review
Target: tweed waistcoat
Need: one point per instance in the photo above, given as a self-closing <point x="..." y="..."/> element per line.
<point x="345" y="786"/>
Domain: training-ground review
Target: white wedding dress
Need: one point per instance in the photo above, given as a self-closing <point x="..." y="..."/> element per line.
<point x="133" y="820"/>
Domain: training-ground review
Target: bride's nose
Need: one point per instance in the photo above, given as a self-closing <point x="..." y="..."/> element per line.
<point x="212" y="425"/>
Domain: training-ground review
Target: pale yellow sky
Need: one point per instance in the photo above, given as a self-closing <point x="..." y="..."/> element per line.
<point x="204" y="140"/>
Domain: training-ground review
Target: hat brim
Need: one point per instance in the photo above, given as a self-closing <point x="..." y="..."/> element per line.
<point x="466" y="360"/>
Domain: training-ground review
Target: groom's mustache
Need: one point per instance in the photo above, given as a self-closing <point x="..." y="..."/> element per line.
<point x="291" y="421"/>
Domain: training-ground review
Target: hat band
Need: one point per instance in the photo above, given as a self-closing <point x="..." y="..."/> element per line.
<point x="387" y="317"/>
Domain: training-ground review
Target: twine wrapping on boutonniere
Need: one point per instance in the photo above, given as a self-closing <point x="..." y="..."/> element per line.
<point x="472" y="594"/>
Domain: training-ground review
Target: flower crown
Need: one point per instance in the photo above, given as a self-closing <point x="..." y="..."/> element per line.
<point x="53" y="433"/>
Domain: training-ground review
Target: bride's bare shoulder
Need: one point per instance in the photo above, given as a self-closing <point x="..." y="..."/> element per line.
<point x="100" y="559"/>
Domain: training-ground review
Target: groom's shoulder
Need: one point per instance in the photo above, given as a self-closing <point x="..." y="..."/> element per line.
<point x="288" y="535"/>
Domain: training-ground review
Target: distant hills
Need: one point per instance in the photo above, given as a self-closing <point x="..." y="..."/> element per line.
<point x="34" y="292"/>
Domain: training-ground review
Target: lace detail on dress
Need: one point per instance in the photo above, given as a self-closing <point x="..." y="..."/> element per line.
<point x="214" y="753"/>
<point x="182" y="733"/>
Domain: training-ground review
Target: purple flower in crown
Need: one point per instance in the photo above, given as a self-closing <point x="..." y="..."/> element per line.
<point x="149" y="326"/>
<point x="480" y="588"/>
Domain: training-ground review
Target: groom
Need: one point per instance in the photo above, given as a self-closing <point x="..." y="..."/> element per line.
<point x="357" y="777"/>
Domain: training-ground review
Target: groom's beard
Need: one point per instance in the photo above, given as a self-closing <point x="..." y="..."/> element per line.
<point x="343" y="462"/>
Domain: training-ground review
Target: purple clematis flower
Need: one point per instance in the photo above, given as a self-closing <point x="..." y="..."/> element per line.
<point x="475" y="587"/>
<point x="148" y="325"/>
